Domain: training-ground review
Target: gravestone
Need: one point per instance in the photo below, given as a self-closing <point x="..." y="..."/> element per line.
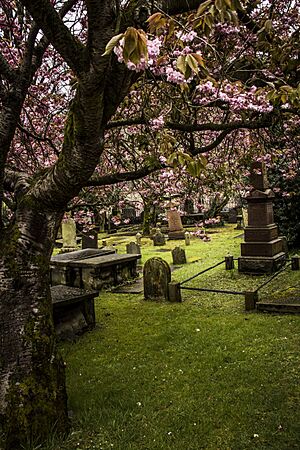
<point x="232" y="215"/>
<point x="133" y="248"/>
<point x="138" y="238"/>
<point x="262" y="251"/>
<point x="158" y="238"/>
<point x="175" y="228"/>
<point x="178" y="255"/>
<point x="129" y="212"/>
<point x="245" y="216"/>
<point x="157" y="276"/>
<point x="189" y="206"/>
<point x="187" y="238"/>
<point x="239" y="221"/>
<point x="68" y="229"/>
<point x="89" y="240"/>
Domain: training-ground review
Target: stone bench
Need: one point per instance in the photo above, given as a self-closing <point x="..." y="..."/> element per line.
<point x="98" y="272"/>
<point x="73" y="310"/>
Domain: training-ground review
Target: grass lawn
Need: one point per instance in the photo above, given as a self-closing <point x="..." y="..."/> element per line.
<point x="202" y="374"/>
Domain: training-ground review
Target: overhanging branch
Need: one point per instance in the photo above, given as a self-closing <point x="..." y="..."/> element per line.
<point x="120" y="177"/>
<point x="57" y="32"/>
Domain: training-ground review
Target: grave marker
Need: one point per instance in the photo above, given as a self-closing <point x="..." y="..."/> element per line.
<point x="157" y="276"/>
<point x="179" y="256"/>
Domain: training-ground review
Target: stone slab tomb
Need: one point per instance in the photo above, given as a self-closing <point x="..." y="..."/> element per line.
<point x="73" y="311"/>
<point x="262" y="251"/>
<point x="93" y="268"/>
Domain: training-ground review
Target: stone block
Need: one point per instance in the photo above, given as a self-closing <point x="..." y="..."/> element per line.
<point x="178" y="255"/>
<point x="260" y="264"/>
<point x="157" y="276"/>
<point x="260" y="214"/>
<point x="263" y="234"/>
<point x="174" y="292"/>
<point x="133" y="249"/>
<point x="261" y="248"/>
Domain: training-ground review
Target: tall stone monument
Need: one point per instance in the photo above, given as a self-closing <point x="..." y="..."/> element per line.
<point x="262" y="251"/>
<point x="68" y="228"/>
<point x="175" y="228"/>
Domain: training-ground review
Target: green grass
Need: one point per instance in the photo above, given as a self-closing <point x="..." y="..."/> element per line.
<point x="202" y="374"/>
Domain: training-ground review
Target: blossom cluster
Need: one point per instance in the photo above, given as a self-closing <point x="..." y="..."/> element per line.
<point x="153" y="46"/>
<point x="233" y="94"/>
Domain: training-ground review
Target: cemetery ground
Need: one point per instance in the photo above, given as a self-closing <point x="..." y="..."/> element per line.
<point x="202" y="374"/>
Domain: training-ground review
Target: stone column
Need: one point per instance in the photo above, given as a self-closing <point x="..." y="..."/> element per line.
<point x="262" y="251"/>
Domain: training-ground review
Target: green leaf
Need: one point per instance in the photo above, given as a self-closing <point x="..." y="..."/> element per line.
<point x="203" y="7"/>
<point x="112" y="43"/>
<point x="192" y="63"/>
<point x="181" y="64"/>
<point x="130" y="43"/>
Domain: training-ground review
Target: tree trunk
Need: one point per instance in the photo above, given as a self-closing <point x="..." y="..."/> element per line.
<point x="32" y="381"/>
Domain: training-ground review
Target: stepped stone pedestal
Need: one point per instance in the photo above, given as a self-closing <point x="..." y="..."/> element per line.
<point x="262" y="251"/>
<point x="175" y="228"/>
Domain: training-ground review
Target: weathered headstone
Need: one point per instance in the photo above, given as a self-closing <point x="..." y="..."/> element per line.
<point x="174" y="292"/>
<point x="89" y="239"/>
<point x="158" y="238"/>
<point x="245" y="216"/>
<point x="157" y="276"/>
<point x="187" y="238"/>
<point x="68" y="228"/>
<point x="189" y="206"/>
<point x="232" y="215"/>
<point x="133" y="248"/>
<point x="295" y="262"/>
<point x="175" y="228"/>
<point x="178" y="255"/>
<point x="138" y="238"/>
<point x="262" y="251"/>
<point x="239" y="222"/>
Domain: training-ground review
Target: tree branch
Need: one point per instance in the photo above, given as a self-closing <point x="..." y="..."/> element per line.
<point x="15" y="182"/>
<point x="212" y="145"/>
<point x="251" y="125"/>
<point x="6" y="70"/>
<point x="120" y="177"/>
<point x="57" y="33"/>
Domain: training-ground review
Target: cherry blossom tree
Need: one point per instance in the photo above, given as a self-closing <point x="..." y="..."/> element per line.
<point x="66" y="69"/>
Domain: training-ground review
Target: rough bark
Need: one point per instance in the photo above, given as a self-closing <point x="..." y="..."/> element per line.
<point x="32" y="389"/>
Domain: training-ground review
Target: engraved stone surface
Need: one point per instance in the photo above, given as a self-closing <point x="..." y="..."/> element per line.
<point x="68" y="228"/>
<point x="158" y="238"/>
<point x="174" y="221"/>
<point x="133" y="248"/>
<point x="157" y="276"/>
<point x="178" y="255"/>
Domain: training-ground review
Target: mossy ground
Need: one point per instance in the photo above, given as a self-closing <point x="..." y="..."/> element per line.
<point x="202" y="374"/>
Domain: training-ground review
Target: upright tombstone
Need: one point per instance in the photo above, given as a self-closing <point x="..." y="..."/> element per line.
<point x="68" y="229"/>
<point x="179" y="256"/>
<point x="175" y="228"/>
<point x="138" y="238"/>
<point x="262" y="251"/>
<point x="133" y="249"/>
<point x="89" y="239"/>
<point x="187" y="238"/>
<point x="157" y="276"/>
<point x="158" y="238"/>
